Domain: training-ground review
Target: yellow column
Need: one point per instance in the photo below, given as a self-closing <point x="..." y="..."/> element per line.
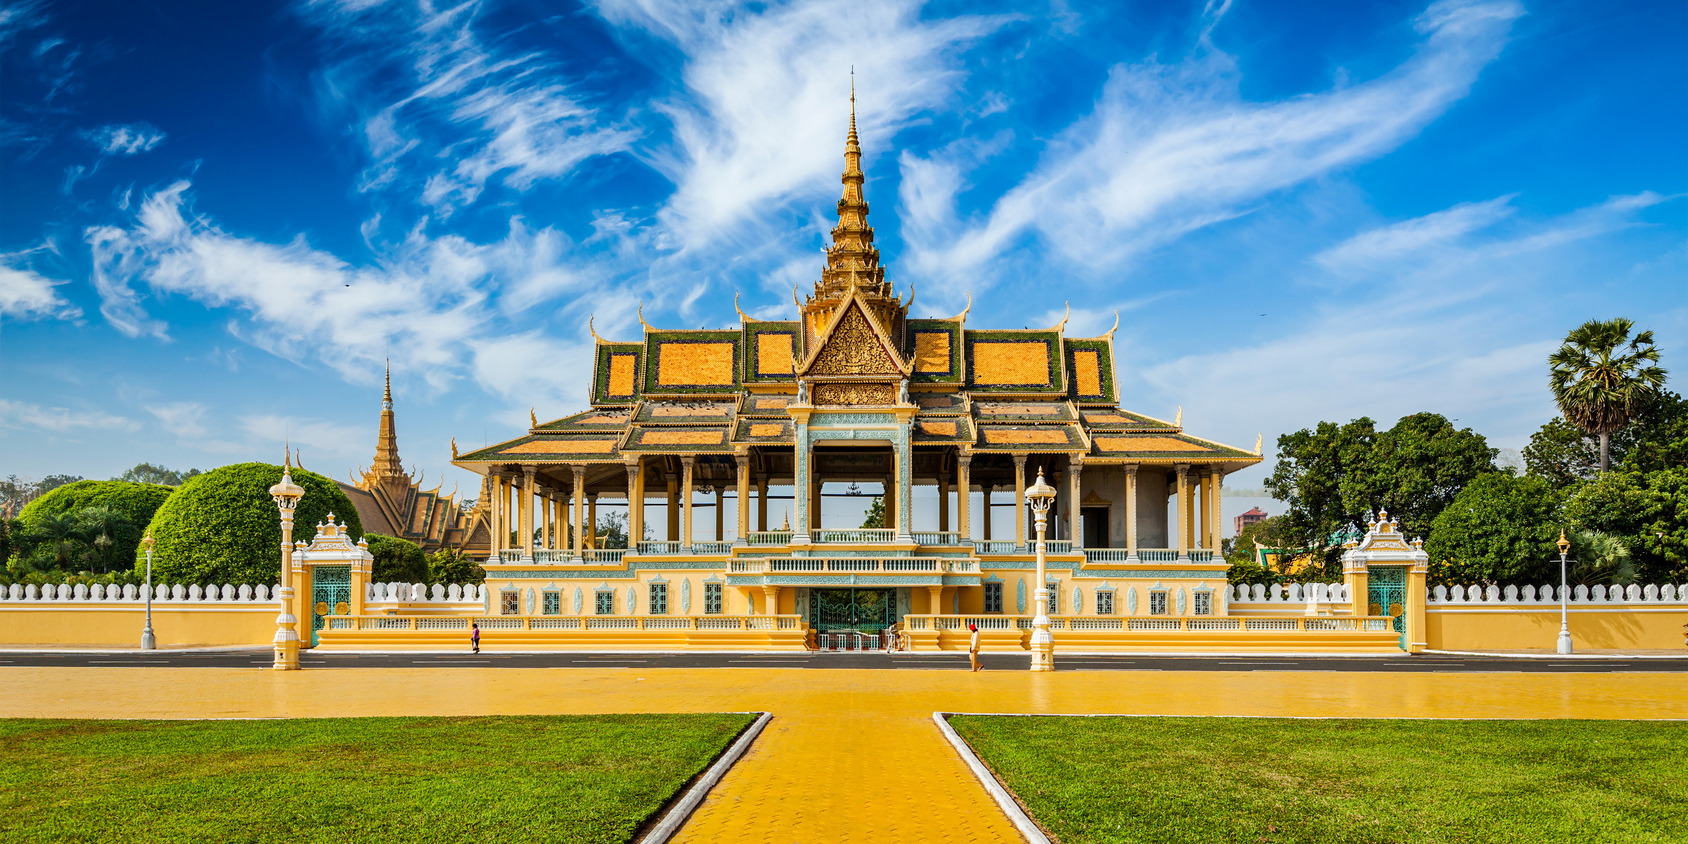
<point x="579" y="497"/>
<point x="814" y="497"/>
<point x="1020" y="502"/>
<point x="1075" y="503"/>
<point x="527" y="510"/>
<point x="985" y="510"/>
<point x="762" y="501"/>
<point x="742" y="502"/>
<point x="1131" y="510"/>
<point x="495" y="509"/>
<point x="592" y="522"/>
<point x="934" y="600"/>
<point x="635" y="506"/>
<point x="771" y="599"/>
<point x="673" y="509"/>
<point x="1216" y="525"/>
<point x="1183" y="510"/>
<point x="686" y="512"/>
<point x="720" y="512"/>
<point x="963" y="494"/>
<point x="1413" y="610"/>
<point x="943" y="502"/>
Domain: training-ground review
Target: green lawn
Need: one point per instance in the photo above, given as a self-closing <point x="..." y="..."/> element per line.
<point x="1257" y="780"/>
<point x="422" y="780"/>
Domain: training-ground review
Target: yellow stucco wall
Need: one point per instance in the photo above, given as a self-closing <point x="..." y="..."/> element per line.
<point x="120" y="626"/>
<point x="1505" y="628"/>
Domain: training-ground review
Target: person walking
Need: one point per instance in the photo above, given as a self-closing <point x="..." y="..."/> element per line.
<point x="973" y="647"/>
<point x="475" y="637"/>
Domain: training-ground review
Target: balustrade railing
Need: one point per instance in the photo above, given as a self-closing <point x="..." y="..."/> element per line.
<point x="647" y="546"/>
<point x="713" y="548"/>
<point x="1201" y="556"/>
<point x="1105" y="555"/>
<point x="850" y="565"/>
<point x="769" y="537"/>
<point x="860" y="535"/>
<point x="553" y="556"/>
<point x="603" y="556"/>
<point x="937" y="537"/>
<point x="1128" y="624"/>
<point x="1057" y="546"/>
<point x="589" y="622"/>
<point x="995" y="546"/>
<point x="1158" y="555"/>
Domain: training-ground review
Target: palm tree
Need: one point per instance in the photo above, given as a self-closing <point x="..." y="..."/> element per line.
<point x="1601" y="378"/>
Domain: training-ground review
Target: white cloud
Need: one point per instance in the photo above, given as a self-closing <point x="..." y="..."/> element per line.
<point x="314" y="438"/>
<point x="125" y="139"/>
<point x="180" y="418"/>
<point x="1418" y="237"/>
<point x="765" y="110"/>
<point x="1173" y="148"/>
<point x="17" y="414"/>
<point x="26" y="294"/>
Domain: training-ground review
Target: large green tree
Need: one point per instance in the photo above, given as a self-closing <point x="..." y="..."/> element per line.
<point x="131" y="506"/>
<point x="1499" y="529"/>
<point x="1335" y="476"/>
<point x="396" y="560"/>
<point x="1601" y="377"/>
<point x="148" y="473"/>
<point x="1648" y="511"/>
<point x="222" y="526"/>
<point x="1657" y="438"/>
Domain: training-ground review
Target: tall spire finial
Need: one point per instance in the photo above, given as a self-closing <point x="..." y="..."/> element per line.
<point x="387" y="394"/>
<point x="852" y="102"/>
<point x="286" y="455"/>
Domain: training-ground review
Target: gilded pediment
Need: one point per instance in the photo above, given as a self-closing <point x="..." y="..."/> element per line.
<point x="854" y="346"/>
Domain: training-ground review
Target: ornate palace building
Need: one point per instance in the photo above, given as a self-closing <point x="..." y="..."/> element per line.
<point x="855" y="391"/>
<point x="391" y="501"/>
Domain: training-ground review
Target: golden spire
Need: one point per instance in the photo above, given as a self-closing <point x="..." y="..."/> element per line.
<point x="386" y="464"/>
<point x="387" y="393"/>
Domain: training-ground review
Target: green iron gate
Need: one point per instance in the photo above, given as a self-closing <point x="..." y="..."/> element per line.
<point x="861" y="610"/>
<point x="1386" y="594"/>
<point x="331" y="594"/>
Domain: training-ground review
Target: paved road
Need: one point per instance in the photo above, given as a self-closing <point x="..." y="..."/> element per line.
<point x="943" y="660"/>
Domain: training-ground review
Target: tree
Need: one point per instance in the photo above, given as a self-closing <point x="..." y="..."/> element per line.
<point x="222" y="526"/>
<point x="448" y="566"/>
<point x="16" y="493"/>
<point x="1657" y="438"/>
<point x="147" y="473"/>
<point x="1601" y="377"/>
<point x="875" y="515"/>
<point x="1334" y="477"/>
<point x="1499" y="529"/>
<point x="1598" y="559"/>
<point x="54" y="539"/>
<point x="396" y="560"/>
<point x="1648" y="511"/>
<point x="136" y="502"/>
<point x="103" y="528"/>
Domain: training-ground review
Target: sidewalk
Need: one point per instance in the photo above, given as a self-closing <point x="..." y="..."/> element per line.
<point x="1585" y="653"/>
<point x="851" y="755"/>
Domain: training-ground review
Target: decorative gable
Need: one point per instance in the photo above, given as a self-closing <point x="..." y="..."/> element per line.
<point x="854" y="346"/>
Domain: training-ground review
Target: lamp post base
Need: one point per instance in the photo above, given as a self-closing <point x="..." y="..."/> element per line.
<point x="1564" y="641"/>
<point x="148" y="641"/>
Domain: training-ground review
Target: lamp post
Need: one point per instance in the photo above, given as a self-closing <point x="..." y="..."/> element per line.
<point x="148" y="641"/>
<point x="1564" y="595"/>
<point x="286" y="494"/>
<point x="1041" y="496"/>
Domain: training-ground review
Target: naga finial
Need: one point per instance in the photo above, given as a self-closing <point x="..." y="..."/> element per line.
<point x="1259" y="440"/>
<point x="454" y="448"/>
<point x="962" y="317"/>
<point x="1110" y="334"/>
<point x="533" y="417"/>
<point x="741" y="316"/>
<point x="593" y="331"/>
<point x="642" y="318"/>
<point x="1178" y="421"/>
<point x="1063" y="323"/>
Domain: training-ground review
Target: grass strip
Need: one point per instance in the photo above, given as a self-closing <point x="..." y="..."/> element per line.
<point x="592" y="778"/>
<point x="1170" y="780"/>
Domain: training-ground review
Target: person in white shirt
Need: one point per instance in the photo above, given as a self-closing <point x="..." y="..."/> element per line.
<point x="973" y="647"/>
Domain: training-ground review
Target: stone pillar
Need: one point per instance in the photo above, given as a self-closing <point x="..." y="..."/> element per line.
<point x="635" y="506"/>
<point x="903" y="478"/>
<point x="579" y="496"/>
<point x="527" y="510"/>
<point x="800" y="482"/>
<point x="1131" y="512"/>
<point x="985" y="510"/>
<point x="1216" y="524"/>
<point x="688" y="463"/>
<point x="934" y="600"/>
<point x="1183" y="512"/>
<point x="591" y="535"/>
<point x="771" y="599"/>
<point x="1020" y="503"/>
<point x="963" y="494"/>
<point x="943" y="502"/>
<point x="891" y="503"/>
<point x="762" y="501"/>
<point x="1075" y="503"/>
<point x="495" y="511"/>
<point x="741" y="503"/>
<point x="814" y="493"/>
<point x="720" y="512"/>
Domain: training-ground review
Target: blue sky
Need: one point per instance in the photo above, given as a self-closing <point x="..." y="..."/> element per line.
<point x="218" y="218"/>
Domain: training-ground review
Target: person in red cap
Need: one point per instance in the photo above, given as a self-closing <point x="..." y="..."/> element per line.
<point x="973" y="647"/>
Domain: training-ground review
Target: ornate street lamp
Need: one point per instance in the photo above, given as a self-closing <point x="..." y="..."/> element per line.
<point x="148" y="641"/>
<point x="1564" y="595"/>
<point x="1041" y="497"/>
<point x="286" y="494"/>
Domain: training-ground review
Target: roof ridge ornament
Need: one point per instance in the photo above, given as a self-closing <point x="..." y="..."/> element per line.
<point x="594" y="332"/>
<point x="741" y="314"/>
<point x="1110" y="334"/>
<point x="962" y="317"/>
<point x="1063" y="323"/>
<point x="1178" y="421"/>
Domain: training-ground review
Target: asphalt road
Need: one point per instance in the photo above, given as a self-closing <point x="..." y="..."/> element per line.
<point x="872" y="659"/>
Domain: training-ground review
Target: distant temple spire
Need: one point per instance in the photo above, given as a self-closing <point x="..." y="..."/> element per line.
<point x="387" y="463"/>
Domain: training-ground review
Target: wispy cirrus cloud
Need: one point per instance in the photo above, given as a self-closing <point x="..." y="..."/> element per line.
<point x="17" y="414"/>
<point x="28" y="295"/>
<point x="1173" y="148"/>
<point x="125" y="139"/>
<point x="182" y="418"/>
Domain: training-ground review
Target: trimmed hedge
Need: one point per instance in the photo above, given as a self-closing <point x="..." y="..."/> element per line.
<point x="137" y="502"/>
<point x="222" y="526"/>
<point x="396" y="560"/>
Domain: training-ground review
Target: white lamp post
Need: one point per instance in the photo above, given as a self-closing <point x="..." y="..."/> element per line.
<point x="1564" y="595"/>
<point x="286" y="494"/>
<point x="1041" y="496"/>
<point x="148" y="641"/>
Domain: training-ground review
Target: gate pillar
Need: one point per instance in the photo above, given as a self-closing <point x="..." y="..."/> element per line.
<point x="1401" y="564"/>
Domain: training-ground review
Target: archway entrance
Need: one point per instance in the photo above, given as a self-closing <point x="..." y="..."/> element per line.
<point x="858" y="610"/>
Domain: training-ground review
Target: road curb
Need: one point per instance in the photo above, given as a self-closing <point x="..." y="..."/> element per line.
<point x="688" y="803"/>
<point x="1004" y="801"/>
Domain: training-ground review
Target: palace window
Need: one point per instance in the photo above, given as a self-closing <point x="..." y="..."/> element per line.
<point x="606" y="603"/>
<point x="1157" y="602"/>
<point x="659" y="599"/>
<point x="553" y="603"/>
<point x="1104" y="602"/>
<point x="509" y="602"/>
<point x="712" y="598"/>
<point x="1204" y="603"/>
<point x="993" y="597"/>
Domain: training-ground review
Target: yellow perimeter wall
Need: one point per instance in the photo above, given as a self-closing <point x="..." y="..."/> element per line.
<point x="120" y="626"/>
<point x="1537" y="628"/>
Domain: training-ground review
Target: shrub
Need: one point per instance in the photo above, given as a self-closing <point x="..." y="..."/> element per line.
<point x="396" y="560"/>
<point x="449" y="566"/>
<point x="136" y="502"/>
<point x="222" y="526"/>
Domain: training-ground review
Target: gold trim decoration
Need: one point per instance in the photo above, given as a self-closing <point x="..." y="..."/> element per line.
<point x="855" y="394"/>
<point x="853" y="349"/>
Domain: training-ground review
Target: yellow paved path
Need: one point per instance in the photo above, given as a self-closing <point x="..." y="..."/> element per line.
<point x="850" y="755"/>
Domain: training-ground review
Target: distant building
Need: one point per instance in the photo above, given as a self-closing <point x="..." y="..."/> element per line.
<point x="1254" y="516"/>
<point x="391" y="501"/>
